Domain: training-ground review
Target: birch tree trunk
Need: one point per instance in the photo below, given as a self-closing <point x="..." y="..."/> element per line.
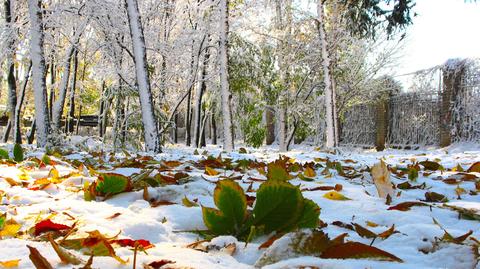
<point x="330" y="114"/>
<point x="282" y="48"/>
<point x="152" y="140"/>
<point x="11" y="81"/>
<point x="224" y="84"/>
<point x="42" y="120"/>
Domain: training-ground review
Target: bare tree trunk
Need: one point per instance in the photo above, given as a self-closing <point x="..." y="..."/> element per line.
<point x="198" y="101"/>
<point x="152" y="139"/>
<point x="228" y="144"/>
<point x="11" y="81"/>
<point x="38" y="72"/>
<point x="73" y="85"/>
<point x="175" y="129"/>
<point x="57" y="110"/>
<point x="330" y="114"/>
<point x="31" y="133"/>
<point x="270" y="125"/>
<point x="102" y="112"/>
<point x="214" y="126"/>
<point x="188" y="120"/>
<point x="17" y="135"/>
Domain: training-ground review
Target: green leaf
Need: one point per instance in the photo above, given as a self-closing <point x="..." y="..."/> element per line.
<point x="46" y="159"/>
<point x="18" y="153"/>
<point x="216" y="222"/>
<point x="277" y="171"/>
<point x="4" y="154"/>
<point x="279" y="205"/>
<point x="231" y="201"/>
<point x="3" y="217"/>
<point x="111" y="183"/>
<point x="311" y="212"/>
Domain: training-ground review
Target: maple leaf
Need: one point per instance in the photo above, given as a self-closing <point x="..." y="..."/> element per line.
<point x="49" y="226"/>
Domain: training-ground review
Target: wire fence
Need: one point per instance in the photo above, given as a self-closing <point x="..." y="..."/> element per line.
<point x="436" y="106"/>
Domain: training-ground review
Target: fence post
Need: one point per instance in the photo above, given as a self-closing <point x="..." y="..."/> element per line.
<point x="381" y="123"/>
<point x="452" y="73"/>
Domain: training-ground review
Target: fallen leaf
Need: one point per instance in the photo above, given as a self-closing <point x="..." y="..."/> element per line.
<point x="364" y="232"/>
<point x="65" y="256"/>
<point x="309" y="172"/>
<point x="145" y="244"/>
<point x="10" y="263"/>
<point x="431" y="165"/>
<point x="113" y="216"/>
<point x="381" y="178"/>
<point x="48" y="226"/>
<point x="210" y="171"/>
<point x="158" y="264"/>
<point x="186" y="202"/>
<point x="356" y="250"/>
<point x="405" y="206"/>
<point x="435" y="197"/>
<point x="333" y="195"/>
<point x="38" y="260"/>
<point x="474" y="168"/>
<point x="386" y="234"/>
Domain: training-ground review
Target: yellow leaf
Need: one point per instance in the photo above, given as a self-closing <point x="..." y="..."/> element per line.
<point x="333" y="195"/>
<point x="10" y="263"/>
<point x="309" y="172"/>
<point x="371" y="224"/>
<point x="381" y="178"/>
<point x="210" y="171"/>
<point x="54" y="176"/>
<point x="186" y="202"/>
<point x="10" y="229"/>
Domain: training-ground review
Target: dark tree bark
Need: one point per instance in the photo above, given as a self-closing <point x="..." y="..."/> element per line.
<point x="73" y="85"/>
<point x="188" y="120"/>
<point x="17" y="135"/>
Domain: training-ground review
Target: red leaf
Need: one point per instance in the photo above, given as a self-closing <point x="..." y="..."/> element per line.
<point x="145" y="244"/>
<point x="48" y="226"/>
<point x="159" y="264"/>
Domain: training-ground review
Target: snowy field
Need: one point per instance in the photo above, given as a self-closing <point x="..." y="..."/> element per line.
<point x="43" y="206"/>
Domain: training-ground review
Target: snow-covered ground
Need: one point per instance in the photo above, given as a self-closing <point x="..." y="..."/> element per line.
<point x="167" y="226"/>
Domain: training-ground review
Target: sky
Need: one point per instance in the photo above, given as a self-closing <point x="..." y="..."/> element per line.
<point x="442" y="29"/>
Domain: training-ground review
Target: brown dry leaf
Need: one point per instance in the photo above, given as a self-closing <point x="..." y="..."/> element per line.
<point x="65" y="256"/>
<point x="364" y="232"/>
<point x="114" y="216"/>
<point x="381" y="178"/>
<point x="230" y="249"/>
<point x="474" y="168"/>
<point x="386" y="234"/>
<point x="356" y="250"/>
<point x="405" y="206"/>
<point x="38" y="260"/>
<point x="270" y="241"/>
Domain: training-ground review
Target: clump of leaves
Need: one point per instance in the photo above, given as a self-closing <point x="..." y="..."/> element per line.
<point x="279" y="207"/>
<point x="317" y="243"/>
<point x="107" y="185"/>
